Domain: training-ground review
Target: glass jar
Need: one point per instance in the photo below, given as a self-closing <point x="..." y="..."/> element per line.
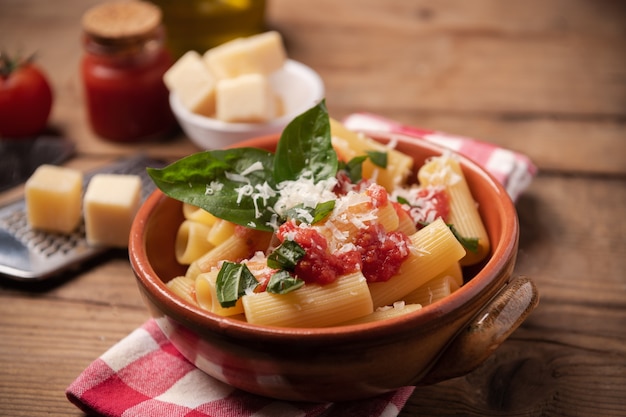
<point x="122" y="71"/>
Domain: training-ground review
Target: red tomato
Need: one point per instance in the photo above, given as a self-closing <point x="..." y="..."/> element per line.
<point x="25" y="99"/>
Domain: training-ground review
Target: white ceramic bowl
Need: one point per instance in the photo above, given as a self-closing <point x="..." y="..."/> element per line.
<point x="299" y="87"/>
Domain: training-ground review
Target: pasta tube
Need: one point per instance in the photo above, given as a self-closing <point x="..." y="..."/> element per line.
<point x="191" y="241"/>
<point x="434" y="249"/>
<point x="464" y="216"/>
<point x="345" y="225"/>
<point x="312" y="305"/>
<point x="206" y="295"/>
<point x="455" y="272"/>
<point x="183" y="287"/>
<point x="397" y="309"/>
<point x="434" y="290"/>
<point x="236" y="247"/>
<point x="350" y="144"/>
<point x="221" y="231"/>
<point x="197" y="214"/>
<point x="406" y="224"/>
<point x="388" y="217"/>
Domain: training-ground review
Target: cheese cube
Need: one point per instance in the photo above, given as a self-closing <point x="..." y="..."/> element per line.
<point x="263" y="54"/>
<point x="193" y="83"/>
<point x="110" y="204"/>
<point x="53" y="198"/>
<point x="248" y="98"/>
<point x="279" y="106"/>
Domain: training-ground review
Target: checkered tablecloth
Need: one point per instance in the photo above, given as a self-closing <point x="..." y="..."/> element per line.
<point x="143" y="375"/>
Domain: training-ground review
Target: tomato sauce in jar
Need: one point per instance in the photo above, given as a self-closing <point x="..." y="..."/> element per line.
<point x="122" y="71"/>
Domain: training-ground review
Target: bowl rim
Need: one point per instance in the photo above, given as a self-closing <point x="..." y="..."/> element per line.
<point x="205" y="122"/>
<point x="424" y="318"/>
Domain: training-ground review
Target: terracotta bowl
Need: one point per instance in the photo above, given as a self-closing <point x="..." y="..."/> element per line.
<point x="443" y="340"/>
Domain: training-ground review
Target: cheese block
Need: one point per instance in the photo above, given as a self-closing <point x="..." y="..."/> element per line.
<point x="193" y="83"/>
<point x="53" y="197"/>
<point x="248" y="98"/>
<point x="110" y="204"/>
<point x="263" y="54"/>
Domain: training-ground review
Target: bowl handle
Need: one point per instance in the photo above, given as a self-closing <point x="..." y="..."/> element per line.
<point x="483" y="334"/>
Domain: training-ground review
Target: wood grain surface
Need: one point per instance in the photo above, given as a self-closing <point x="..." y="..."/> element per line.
<point x="542" y="77"/>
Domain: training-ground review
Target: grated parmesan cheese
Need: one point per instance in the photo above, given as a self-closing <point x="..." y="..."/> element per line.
<point x="245" y="190"/>
<point x="422" y="206"/>
<point x="442" y="173"/>
<point x="304" y="192"/>
<point x="233" y="176"/>
<point x="213" y="187"/>
<point x="256" y="166"/>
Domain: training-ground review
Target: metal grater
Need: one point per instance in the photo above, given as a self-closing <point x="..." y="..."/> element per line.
<point x="31" y="255"/>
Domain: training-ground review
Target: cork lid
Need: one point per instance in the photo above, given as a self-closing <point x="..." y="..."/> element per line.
<point x="124" y="19"/>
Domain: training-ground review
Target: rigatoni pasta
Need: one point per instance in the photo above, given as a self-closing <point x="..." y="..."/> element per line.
<point x="434" y="249"/>
<point x="312" y="305"/>
<point x="350" y="144"/>
<point x="434" y="290"/>
<point x="184" y="287"/>
<point x="327" y="245"/>
<point x="191" y="241"/>
<point x="397" y="309"/>
<point x="220" y="232"/>
<point x="445" y="171"/>
<point x="234" y="247"/>
<point x="196" y="214"/>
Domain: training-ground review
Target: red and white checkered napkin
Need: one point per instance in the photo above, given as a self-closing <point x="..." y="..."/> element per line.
<point x="514" y="170"/>
<point x="143" y="375"/>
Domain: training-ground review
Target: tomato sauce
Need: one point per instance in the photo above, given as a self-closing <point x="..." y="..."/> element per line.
<point x="381" y="253"/>
<point x="378" y="194"/>
<point x="317" y="265"/>
<point x="433" y="203"/>
<point x="377" y="254"/>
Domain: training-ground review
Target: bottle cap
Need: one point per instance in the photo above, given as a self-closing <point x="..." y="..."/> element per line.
<point x="122" y="20"/>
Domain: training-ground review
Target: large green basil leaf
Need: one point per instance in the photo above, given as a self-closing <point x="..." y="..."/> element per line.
<point x="305" y="145"/>
<point x="211" y="180"/>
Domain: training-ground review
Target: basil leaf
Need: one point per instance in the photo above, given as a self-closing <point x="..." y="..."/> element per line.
<point x="305" y="145"/>
<point x="211" y="180"/>
<point x="469" y="243"/>
<point x="286" y="256"/>
<point x="378" y="158"/>
<point x="223" y="183"/>
<point x="322" y="210"/>
<point x="282" y="283"/>
<point x="232" y="282"/>
<point x="403" y="200"/>
<point x="354" y="168"/>
<point x="311" y="215"/>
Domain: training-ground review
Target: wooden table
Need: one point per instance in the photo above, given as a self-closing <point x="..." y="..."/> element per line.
<point x="543" y="77"/>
